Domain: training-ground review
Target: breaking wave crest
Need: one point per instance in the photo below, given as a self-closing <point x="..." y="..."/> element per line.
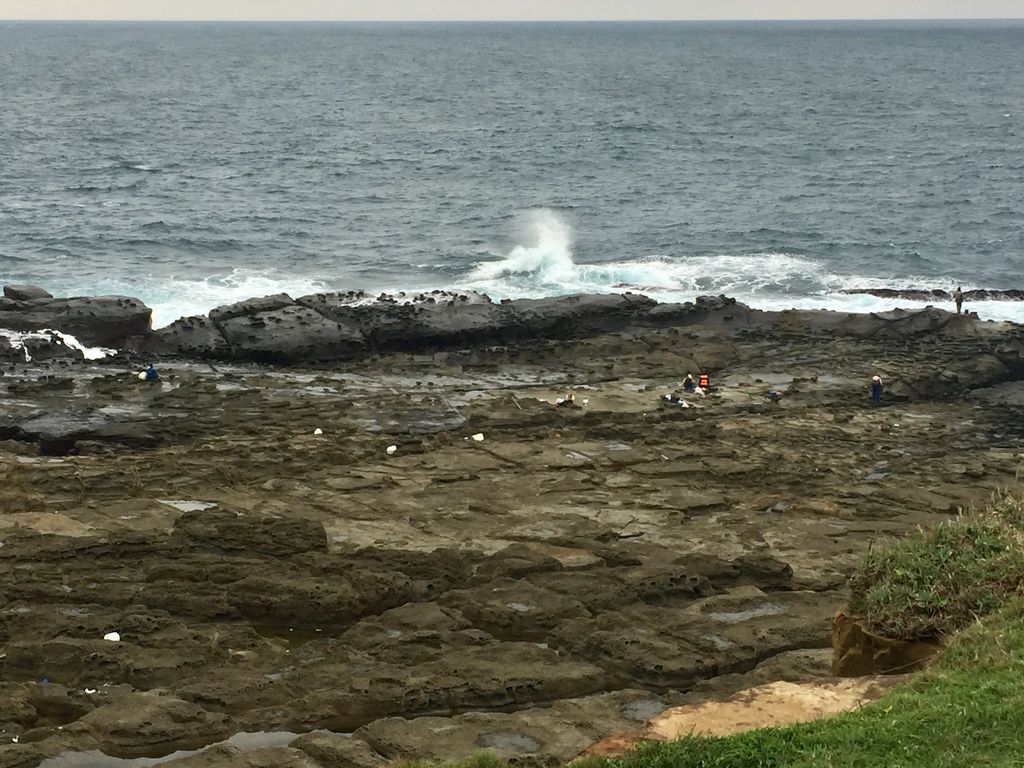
<point x="544" y="265"/>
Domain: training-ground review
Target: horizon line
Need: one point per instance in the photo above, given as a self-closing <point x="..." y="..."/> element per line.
<point x="514" y="21"/>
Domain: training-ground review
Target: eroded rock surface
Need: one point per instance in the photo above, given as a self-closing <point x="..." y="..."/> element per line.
<point x="569" y="576"/>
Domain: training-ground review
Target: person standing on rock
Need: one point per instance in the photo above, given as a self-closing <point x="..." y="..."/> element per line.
<point x="876" y="389"/>
<point x="958" y="297"/>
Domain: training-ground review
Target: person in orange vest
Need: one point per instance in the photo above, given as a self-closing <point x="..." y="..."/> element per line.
<point x="704" y="382"/>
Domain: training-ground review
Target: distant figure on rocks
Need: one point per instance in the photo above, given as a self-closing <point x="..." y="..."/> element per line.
<point x="704" y="382"/>
<point x="958" y="297"/>
<point x="876" y="389"/>
<point x="689" y="384"/>
<point x="151" y="374"/>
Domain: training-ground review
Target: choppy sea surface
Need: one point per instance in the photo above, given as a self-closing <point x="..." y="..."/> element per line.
<point x="196" y="164"/>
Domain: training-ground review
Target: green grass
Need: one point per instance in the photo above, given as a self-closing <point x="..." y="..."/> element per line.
<point x="932" y="584"/>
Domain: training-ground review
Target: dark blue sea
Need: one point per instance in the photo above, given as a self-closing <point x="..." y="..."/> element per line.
<point x="195" y="164"/>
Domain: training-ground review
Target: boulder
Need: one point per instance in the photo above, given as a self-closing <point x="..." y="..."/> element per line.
<point x="99" y="321"/>
<point x="290" y="335"/>
<point x="20" y="292"/>
<point x="146" y="722"/>
<point x="857" y="651"/>
<point x="196" y="336"/>
<point x="51" y="347"/>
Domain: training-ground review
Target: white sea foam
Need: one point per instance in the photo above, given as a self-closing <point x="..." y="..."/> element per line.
<point x="18" y="338"/>
<point x="177" y="297"/>
<point x="545" y="266"/>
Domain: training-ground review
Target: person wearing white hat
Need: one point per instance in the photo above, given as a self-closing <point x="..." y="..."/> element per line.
<point x="876" y="389"/>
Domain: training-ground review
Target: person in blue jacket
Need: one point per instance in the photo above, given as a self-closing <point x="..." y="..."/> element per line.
<point x="151" y="374"/>
<point x="876" y="389"/>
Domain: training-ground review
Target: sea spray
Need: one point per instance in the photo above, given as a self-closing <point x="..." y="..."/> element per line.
<point x="544" y="263"/>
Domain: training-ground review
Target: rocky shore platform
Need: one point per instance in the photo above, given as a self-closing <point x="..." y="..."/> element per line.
<point x="512" y="576"/>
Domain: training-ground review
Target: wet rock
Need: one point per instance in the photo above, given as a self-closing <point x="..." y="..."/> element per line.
<point x="58" y="432"/>
<point x="51" y="347"/>
<point x="20" y="292"/>
<point x="9" y="353"/>
<point x="97" y="321"/>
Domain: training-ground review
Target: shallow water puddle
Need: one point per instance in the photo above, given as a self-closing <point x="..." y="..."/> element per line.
<point x="737" y="617"/>
<point x="185" y="505"/>
<point x="96" y="759"/>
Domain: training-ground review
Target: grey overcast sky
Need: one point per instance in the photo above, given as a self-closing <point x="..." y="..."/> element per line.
<point x="396" y="10"/>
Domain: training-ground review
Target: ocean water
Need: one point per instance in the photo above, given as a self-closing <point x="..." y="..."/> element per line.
<point x="195" y="164"/>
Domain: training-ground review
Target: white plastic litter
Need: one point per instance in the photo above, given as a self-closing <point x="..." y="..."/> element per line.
<point x="90" y="691"/>
<point x="392" y="450"/>
<point x="113" y="637"/>
<point x="479" y="437"/>
<point x="586" y="402"/>
<point x="142" y="375"/>
<point x="318" y="431"/>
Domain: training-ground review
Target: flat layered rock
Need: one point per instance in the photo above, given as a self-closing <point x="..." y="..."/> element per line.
<point x="677" y="646"/>
<point x="548" y="735"/>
